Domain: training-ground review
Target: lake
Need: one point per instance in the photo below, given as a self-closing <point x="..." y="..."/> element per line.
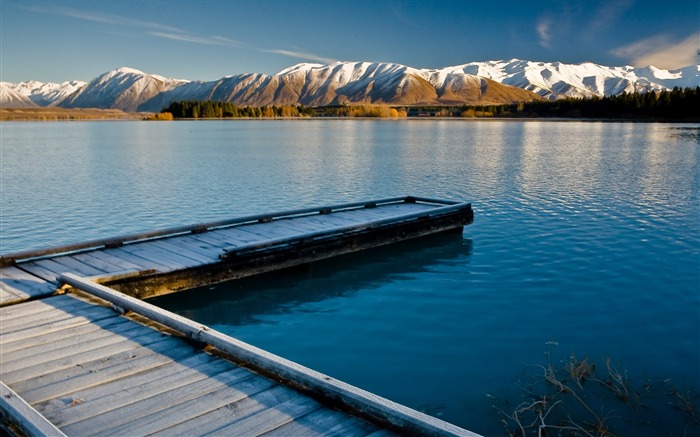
<point x="586" y="241"/>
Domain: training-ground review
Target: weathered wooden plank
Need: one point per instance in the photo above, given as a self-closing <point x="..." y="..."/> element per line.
<point x="301" y="227"/>
<point x="31" y="320"/>
<point x="42" y="272"/>
<point x="211" y="239"/>
<point x="19" y="280"/>
<point x="272" y="418"/>
<point x="103" y="266"/>
<point x="77" y="266"/>
<point x="47" y="340"/>
<point x="328" y="220"/>
<point x="237" y="236"/>
<point x="364" y="215"/>
<point x="124" y="419"/>
<point x="237" y="409"/>
<point x="270" y="230"/>
<point x="67" y="346"/>
<point x="112" y="257"/>
<point x="20" y="413"/>
<point x="142" y="263"/>
<point x="41" y="374"/>
<point x="11" y="295"/>
<point x="324" y="422"/>
<point x="39" y="311"/>
<point x="180" y="247"/>
<point x="154" y="253"/>
<point x="191" y="243"/>
<point x="99" y="371"/>
<point x="196" y="407"/>
<point x="118" y="393"/>
<point x="59" y="302"/>
<point x="85" y="316"/>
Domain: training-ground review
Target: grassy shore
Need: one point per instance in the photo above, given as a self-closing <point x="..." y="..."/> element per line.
<point x="60" y="114"/>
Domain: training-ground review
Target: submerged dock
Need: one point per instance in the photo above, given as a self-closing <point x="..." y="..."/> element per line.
<point x="98" y="360"/>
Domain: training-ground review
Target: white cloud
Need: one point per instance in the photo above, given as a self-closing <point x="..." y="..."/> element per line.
<point x="182" y="36"/>
<point x="662" y="52"/>
<point x="544" y="31"/>
<point x="301" y="55"/>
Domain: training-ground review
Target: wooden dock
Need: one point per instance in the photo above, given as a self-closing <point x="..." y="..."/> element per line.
<point x="159" y="262"/>
<point x="97" y="361"/>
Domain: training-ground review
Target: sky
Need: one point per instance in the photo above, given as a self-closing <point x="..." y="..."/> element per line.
<point x="60" y="40"/>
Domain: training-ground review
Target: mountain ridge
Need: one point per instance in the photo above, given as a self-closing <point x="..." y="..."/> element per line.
<point x="342" y="83"/>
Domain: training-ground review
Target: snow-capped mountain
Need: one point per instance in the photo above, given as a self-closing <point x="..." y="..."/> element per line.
<point x="554" y="80"/>
<point x="492" y="82"/>
<point x="123" y="88"/>
<point x="11" y="98"/>
<point x="48" y="94"/>
<point x="345" y="83"/>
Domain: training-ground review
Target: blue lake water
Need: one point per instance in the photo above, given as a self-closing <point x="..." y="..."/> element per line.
<point x="586" y="240"/>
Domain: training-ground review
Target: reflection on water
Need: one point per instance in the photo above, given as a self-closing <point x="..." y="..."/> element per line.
<point x="249" y="300"/>
<point x="586" y="239"/>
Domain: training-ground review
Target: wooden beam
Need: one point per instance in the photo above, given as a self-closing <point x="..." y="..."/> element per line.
<point x="24" y="416"/>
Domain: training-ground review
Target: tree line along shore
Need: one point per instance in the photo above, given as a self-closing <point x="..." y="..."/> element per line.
<point x="675" y="105"/>
<point x="679" y="104"/>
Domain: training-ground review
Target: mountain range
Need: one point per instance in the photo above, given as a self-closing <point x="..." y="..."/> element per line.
<point x="491" y="82"/>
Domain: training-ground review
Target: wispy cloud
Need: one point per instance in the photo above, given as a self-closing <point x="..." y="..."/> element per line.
<point x="301" y="55"/>
<point x="165" y="31"/>
<point x="105" y="18"/>
<point x="607" y="15"/>
<point x="196" y="39"/>
<point x="544" y="32"/>
<point x="661" y="51"/>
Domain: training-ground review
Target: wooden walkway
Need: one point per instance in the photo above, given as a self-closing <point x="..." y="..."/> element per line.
<point x="159" y="262"/>
<point x="71" y="365"/>
<point x="96" y="361"/>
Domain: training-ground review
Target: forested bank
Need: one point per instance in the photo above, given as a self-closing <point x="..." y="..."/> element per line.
<point x="675" y="105"/>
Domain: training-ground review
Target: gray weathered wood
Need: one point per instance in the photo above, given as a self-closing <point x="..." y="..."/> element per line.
<point x="109" y="367"/>
<point x="194" y="408"/>
<point x="123" y="419"/>
<point x="237" y="409"/>
<point x="20" y="413"/>
<point x="272" y="418"/>
<point x="111" y="395"/>
<point x="85" y="316"/>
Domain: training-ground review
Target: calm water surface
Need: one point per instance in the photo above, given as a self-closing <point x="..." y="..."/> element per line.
<point x="586" y="240"/>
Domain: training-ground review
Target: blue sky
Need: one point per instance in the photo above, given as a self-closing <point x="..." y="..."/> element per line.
<point x="54" y="41"/>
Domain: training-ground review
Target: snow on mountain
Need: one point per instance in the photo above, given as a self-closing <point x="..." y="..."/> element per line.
<point x="491" y="82"/>
<point x="344" y="83"/>
<point x="11" y="98"/>
<point x="49" y="94"/>
<point x="124" y="88"/>
<point x="554" y="80"/>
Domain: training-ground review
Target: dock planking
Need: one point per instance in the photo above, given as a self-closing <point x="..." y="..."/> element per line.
<point x="80" y="368"/>
<point x="165" y="261"/>
<point x="75" y="364"/>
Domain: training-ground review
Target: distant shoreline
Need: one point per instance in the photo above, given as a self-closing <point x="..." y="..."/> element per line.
<point x="94" y="114"/>
<point x="66" y="114"/>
